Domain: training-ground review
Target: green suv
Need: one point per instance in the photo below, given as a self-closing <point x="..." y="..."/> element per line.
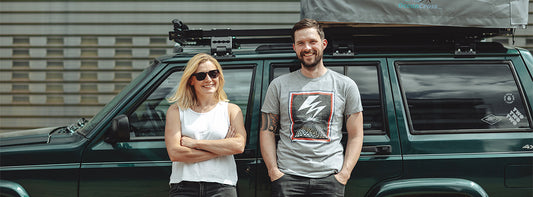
<point x="445" y="114"/>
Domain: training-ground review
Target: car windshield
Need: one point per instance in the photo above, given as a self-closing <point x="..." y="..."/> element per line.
<point x="92" y="123"/>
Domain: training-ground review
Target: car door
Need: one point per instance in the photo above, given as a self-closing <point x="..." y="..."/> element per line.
<point x="466" y="118"/>
<point x="140" y="166"/>
<point x="381" y="156"/>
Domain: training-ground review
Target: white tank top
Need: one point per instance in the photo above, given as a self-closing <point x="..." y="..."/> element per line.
<point x="211" y="125"/>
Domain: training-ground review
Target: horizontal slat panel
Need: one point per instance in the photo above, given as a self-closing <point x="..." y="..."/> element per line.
<point x="144" y="18"/>
<point x="73" y="76"/>
<point x="52" y="111"/>
<point x="154" y="6"/>
<point x="116" y="29"/>
<point x="140" y="18"/>
<point x="88" y="47"/>
<point x="20" y="117"/>
<point x="61" y="93"/>
<point x="38" y="122"/>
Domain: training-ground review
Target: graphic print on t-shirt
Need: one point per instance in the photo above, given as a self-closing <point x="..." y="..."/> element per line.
<point x="310" y="114"/>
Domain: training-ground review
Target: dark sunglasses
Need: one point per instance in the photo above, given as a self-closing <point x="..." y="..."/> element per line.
<point x="201" y="75"/>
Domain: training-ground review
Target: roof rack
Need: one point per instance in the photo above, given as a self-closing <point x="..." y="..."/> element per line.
<point x="222" y="41"/>
<point x="462" y="41"/>
<point x="344" y="39"/>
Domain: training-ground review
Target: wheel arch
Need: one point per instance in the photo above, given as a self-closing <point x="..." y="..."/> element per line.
<point x="420" y="186"/>
<point x="9" y="188"/>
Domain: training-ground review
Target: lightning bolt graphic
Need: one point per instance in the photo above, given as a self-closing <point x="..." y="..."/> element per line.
<point x="309" y="103"/>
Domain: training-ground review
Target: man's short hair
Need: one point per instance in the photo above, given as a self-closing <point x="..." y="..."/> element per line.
<point x="308" y="23"/>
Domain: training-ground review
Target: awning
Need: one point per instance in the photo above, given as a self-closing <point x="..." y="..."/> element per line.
<point x="461" y="13"/>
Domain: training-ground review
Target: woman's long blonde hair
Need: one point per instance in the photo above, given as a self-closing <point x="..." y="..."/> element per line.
<point x="185" y="95"/>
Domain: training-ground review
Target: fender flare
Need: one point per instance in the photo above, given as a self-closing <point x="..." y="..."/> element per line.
<point x="428" y="186"/>
<point x="12" y="188"/>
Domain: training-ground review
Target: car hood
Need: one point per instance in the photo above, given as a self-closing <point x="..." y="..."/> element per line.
<point x="32" y="136"/>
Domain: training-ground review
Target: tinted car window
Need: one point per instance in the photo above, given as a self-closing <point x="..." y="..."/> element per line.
<point x="148" y="119"/>
<point x="366" y="78"/>
<point x="462" y="97"/>
<point x="238" y="86"/>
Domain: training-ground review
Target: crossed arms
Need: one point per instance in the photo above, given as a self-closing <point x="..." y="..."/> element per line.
<point x="185" y="149"/>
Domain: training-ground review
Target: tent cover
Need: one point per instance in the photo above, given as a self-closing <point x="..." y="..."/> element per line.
<point x="461" y="13"/>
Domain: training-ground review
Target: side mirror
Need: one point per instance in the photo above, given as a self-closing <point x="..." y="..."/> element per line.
<point x="120" y="130"/>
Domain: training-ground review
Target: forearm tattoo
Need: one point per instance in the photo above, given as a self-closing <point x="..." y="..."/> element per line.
<point x="270" y="122"/>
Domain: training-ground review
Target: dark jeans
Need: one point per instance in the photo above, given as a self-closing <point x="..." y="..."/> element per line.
<point x="290" y="185"/>
<point x="201" y="189"/>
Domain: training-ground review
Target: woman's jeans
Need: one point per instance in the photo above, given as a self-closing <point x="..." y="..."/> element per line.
<point x="202" y="189"/>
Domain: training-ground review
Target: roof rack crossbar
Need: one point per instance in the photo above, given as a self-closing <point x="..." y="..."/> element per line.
<point x="345" y="40"/>
<point x="222" y="41"/>
<point x="182" y="34"/>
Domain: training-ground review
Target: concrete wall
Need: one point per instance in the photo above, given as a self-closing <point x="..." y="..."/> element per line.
<point x="63" y="60"/>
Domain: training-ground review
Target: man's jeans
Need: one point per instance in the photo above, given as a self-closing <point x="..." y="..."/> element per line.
<point x="201" y="189"/>
<point x="290" y="185"/>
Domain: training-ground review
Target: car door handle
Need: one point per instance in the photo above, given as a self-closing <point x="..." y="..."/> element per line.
<point x="378" y="150"/>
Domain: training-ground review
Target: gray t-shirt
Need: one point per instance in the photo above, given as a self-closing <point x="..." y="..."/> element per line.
<point x="311" y="116"/>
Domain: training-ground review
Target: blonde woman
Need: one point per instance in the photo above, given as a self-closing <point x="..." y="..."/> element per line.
<point x="202" y="133"/>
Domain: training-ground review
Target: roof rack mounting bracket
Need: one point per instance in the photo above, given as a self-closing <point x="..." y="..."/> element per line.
<point x="343" y="48"/>
<point x="462" y="49"/>
<point x="221" y="46"/>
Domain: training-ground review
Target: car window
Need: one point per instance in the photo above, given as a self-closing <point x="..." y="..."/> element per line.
<point x="238" y="86"/>
<point x="462" y="97"/>
<point x="367" y="80"/>
<point x="366" y="77"/>
<point x="148" y="119"/>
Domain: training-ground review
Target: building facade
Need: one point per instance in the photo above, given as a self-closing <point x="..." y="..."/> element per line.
<point x="64" y="60"/>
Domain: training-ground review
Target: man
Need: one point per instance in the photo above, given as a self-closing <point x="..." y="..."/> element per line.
<point x="307" y="108"/>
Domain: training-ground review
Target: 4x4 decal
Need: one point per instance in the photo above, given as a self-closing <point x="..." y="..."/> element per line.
<point x="515" y="116"/>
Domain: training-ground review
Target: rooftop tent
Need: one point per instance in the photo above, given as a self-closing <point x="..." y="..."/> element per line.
<point x="460" y="13"/>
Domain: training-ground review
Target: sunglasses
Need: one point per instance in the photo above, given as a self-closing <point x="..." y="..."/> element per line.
<point x="201" y="75"/>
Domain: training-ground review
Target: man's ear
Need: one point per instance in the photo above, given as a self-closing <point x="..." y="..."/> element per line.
<point x="325" y="42"/>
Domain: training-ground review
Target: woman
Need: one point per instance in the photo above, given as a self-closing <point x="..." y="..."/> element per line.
<point x="203" y="132"/>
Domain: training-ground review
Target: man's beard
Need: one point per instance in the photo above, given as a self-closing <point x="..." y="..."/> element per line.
<point x="312" y="64"/>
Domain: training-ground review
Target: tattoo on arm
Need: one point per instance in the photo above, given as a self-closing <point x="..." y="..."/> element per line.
<point x="270" y="122"/>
